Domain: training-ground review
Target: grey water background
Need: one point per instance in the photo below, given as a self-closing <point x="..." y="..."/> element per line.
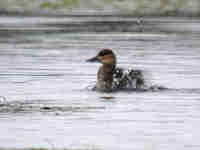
<point x="46" y="99"/>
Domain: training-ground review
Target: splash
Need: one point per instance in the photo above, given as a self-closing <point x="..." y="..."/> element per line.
<point x="130" y="80"/>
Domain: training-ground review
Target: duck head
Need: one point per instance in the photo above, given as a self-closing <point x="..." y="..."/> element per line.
<point x="105" y="56"/>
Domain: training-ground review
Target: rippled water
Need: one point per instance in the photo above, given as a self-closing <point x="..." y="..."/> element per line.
<point x="45" y="81"/>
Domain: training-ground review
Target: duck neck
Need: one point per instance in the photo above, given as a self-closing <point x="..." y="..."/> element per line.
<point x="105" y="77"/>
<point x="105" y="74"/>
<point x="108" y="69"/>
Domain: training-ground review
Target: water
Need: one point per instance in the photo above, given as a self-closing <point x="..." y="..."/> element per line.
<point x="45" y="81"/>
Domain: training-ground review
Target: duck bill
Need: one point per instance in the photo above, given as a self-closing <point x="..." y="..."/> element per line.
<point x="93" y="59"/>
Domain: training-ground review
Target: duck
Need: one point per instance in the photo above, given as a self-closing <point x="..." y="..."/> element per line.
<point x="111" y="78"/>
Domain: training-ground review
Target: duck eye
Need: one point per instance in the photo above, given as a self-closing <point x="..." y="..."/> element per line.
<point x="103" y="53"/>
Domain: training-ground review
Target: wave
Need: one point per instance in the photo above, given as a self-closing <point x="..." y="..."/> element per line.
<point x="102" y="7"/>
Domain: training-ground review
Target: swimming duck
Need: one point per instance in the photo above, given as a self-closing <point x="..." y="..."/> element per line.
<point x="111" y="78"/>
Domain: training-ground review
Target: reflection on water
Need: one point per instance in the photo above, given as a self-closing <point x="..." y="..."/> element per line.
<point x="44" y="83"/>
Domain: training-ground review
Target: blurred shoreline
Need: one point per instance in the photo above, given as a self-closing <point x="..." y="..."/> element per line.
<point x="47" y="14"/>
<point x="135" y="8"/>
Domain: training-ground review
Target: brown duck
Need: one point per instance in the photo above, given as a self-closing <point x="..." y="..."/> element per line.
<point x="110" y="78"/>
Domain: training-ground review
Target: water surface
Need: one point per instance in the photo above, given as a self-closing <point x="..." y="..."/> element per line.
<point x="45" y="82"/>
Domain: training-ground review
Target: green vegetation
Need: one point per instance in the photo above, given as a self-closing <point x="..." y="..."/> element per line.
<point x="59" y="4"/>
<point x="69" y="2"/>
<point x="123" y="7"/>
<point x="48" y="5"/>
<point x="108" y="1"/>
